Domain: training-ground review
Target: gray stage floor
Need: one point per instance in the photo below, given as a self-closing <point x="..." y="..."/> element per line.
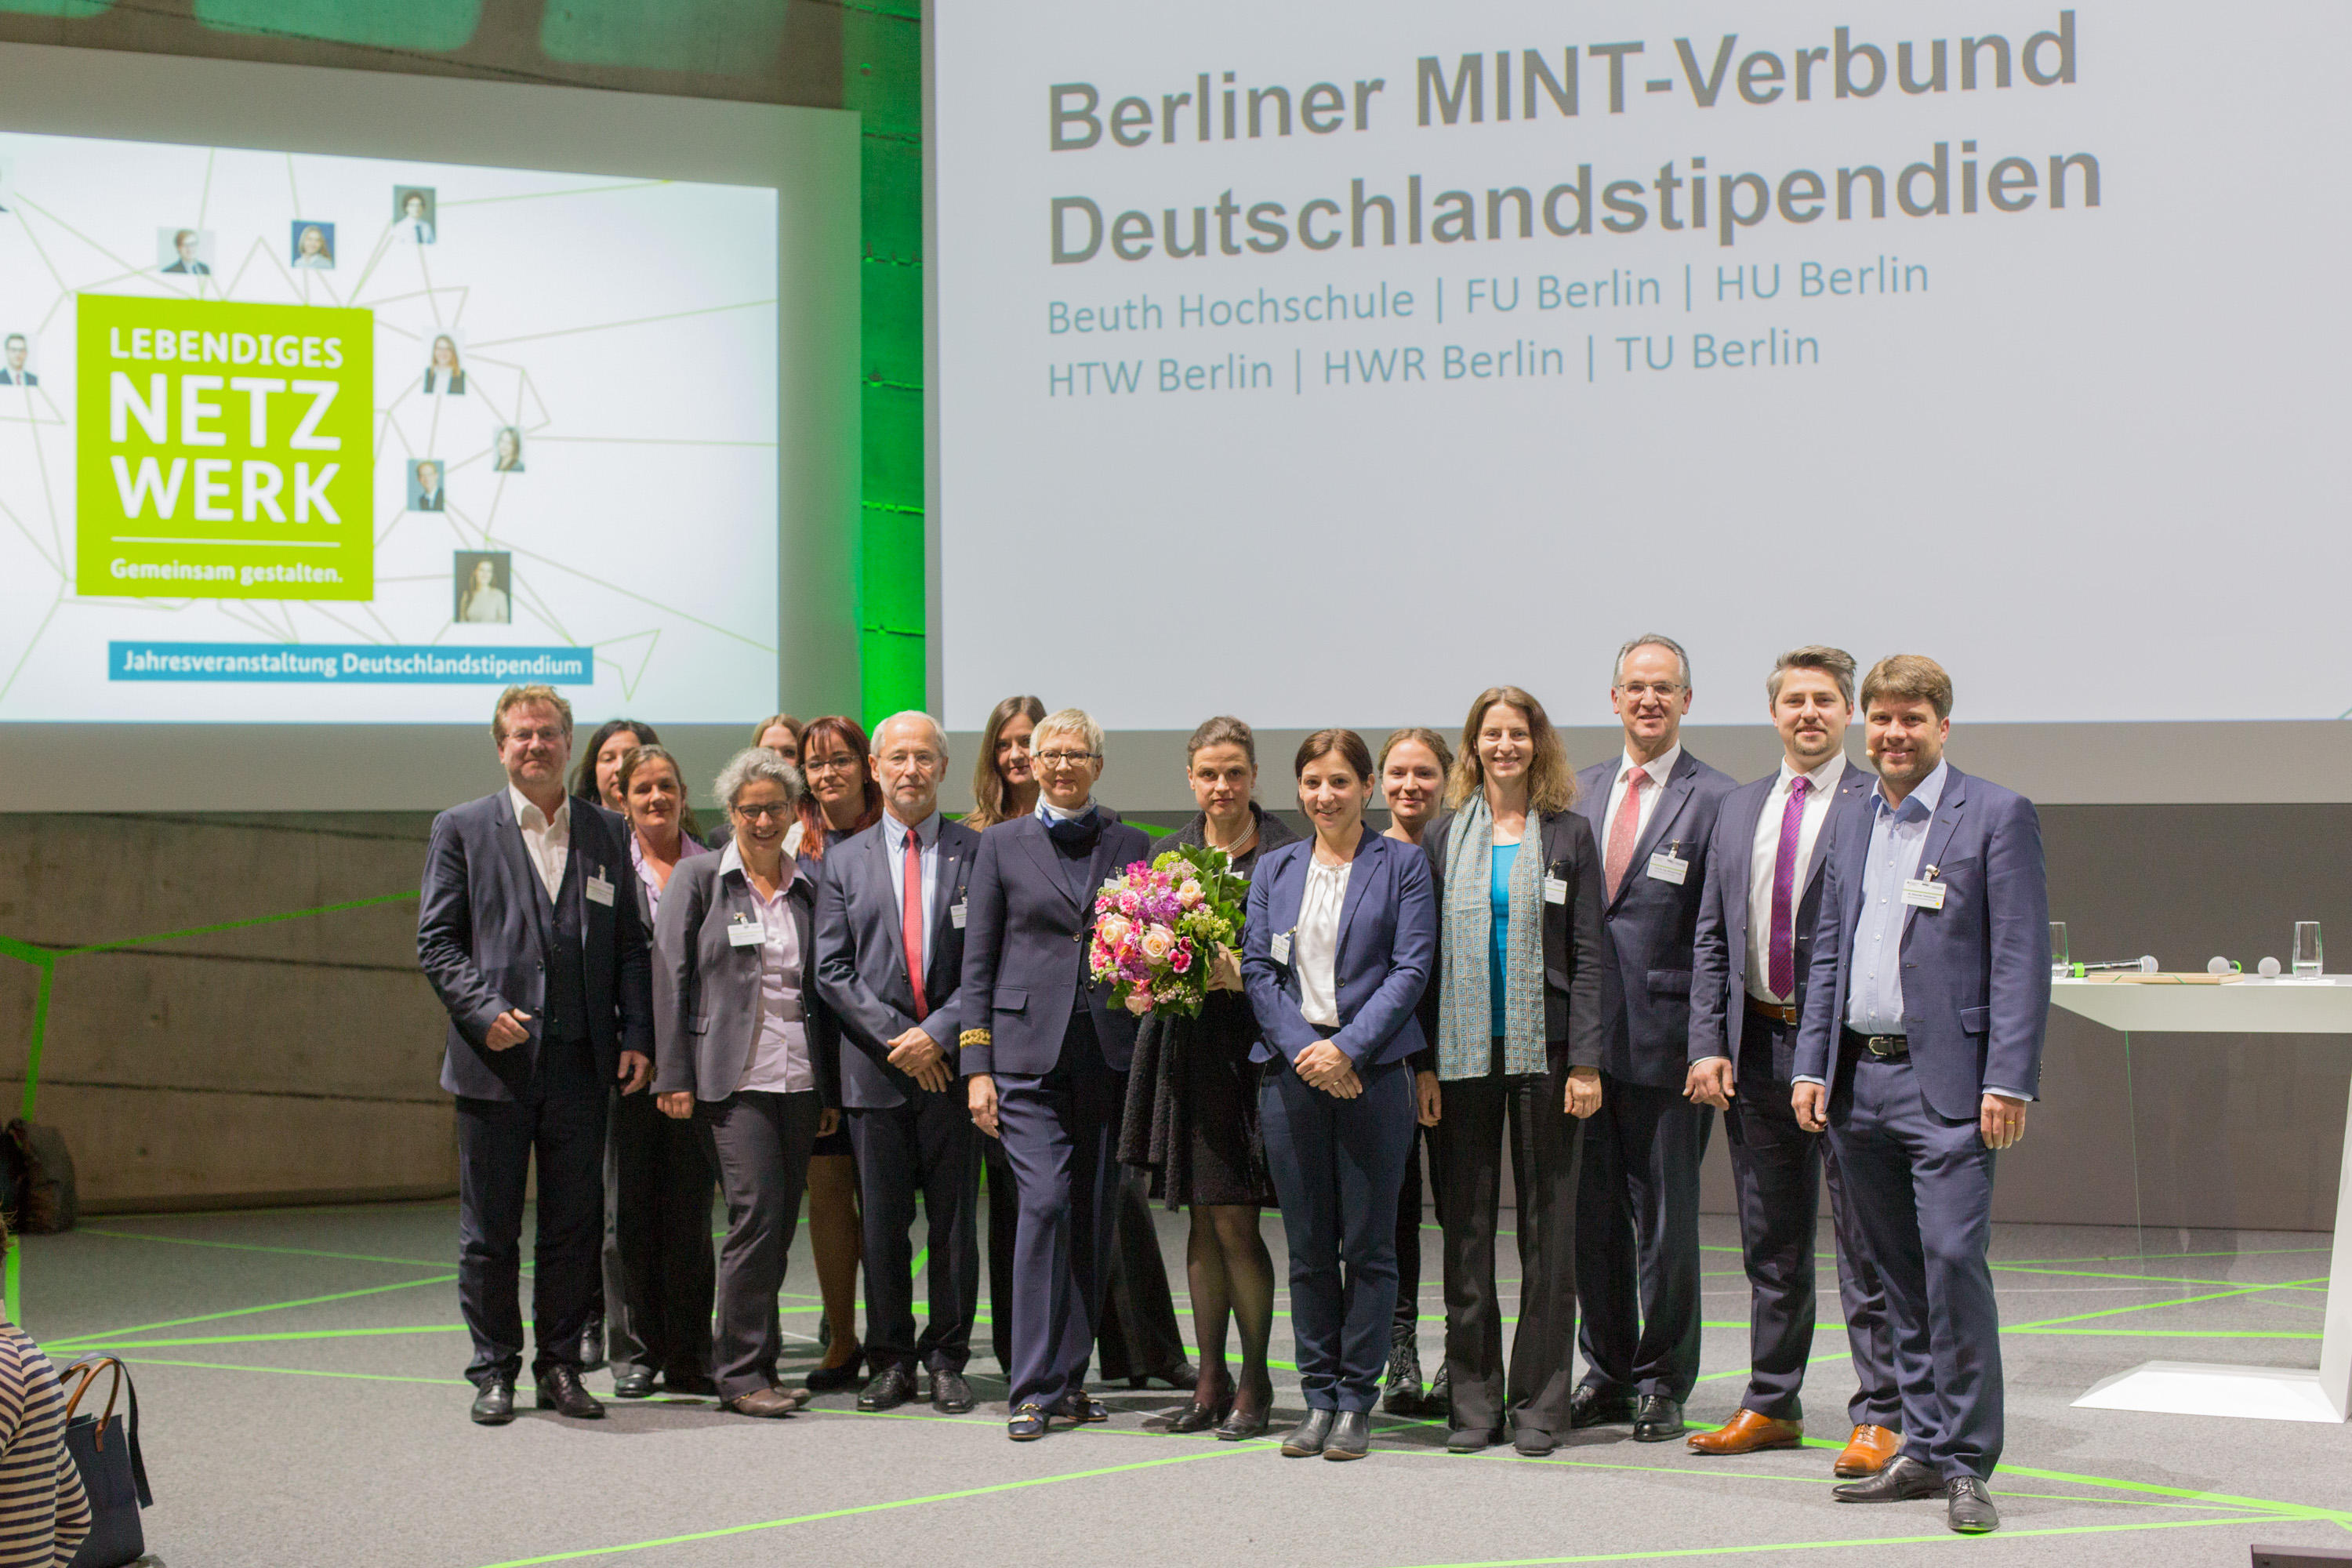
<point x="300" y="1381"/>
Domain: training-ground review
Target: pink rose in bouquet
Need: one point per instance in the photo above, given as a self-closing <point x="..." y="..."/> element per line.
<point x="1158" y="923"/>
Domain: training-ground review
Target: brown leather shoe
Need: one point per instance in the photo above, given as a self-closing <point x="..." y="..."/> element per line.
<point x="768" y="1402"/>
<point x="1749" y="1433"/>
<point x="1869" y="1451"/>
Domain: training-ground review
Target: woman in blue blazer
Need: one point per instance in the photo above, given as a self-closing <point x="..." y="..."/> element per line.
<point x="1341" y="940"/>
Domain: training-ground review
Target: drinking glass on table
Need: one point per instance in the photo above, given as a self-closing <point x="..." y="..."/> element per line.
<point x="2307" y="964"/>
<point x="2058" y="968"/>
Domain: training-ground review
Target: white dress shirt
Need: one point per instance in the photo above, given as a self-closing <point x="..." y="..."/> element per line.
<point x="1315" y="943"/>
<point x="1660" y="771"/>
<point x="779" y="1062"/>
<point x="546" y="842"/>
<point x="1821" y="785"/>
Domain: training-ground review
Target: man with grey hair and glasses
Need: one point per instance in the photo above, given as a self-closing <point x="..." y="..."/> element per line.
<point x="1652" y="812"/>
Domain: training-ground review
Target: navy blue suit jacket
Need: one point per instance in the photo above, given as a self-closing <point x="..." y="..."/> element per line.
<point x="477" y="940"/>
<point x="862" y="960"/>
<point x="1719" y="1005"/>
<point x="1025" y="944"/>
<point x="1652" y="922"/>
<point x="1976" y="972"/>
<point x="1388" y="951"/>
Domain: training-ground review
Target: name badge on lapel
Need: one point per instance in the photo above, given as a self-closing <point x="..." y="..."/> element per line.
<point x="599" y="888"/>
<point x="746" y="933"/>
<point x="1924" y="892"/>
<point x="1280" y="947"/>
<point x="1554" y="890"/>
<point x="955" y="916"/>
<point x="1667" y="866"/>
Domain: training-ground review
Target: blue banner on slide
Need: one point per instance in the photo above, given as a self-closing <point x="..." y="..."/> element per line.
<point x="324" y="664"/>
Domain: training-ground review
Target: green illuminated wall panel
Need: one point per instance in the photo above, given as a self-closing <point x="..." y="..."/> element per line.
<point x="715" y="38"/>
<point x="386" y="24"/>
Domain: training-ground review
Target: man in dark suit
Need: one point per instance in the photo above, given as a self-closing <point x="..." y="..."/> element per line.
<point x="13" y="372"/>
<point x="1652" y="812"/>
<point x="1047" y="1053"/>
<point x="1755" y="936"/>
<point x="1921" y="1048"/>
<point x="890" y="933"/>
<point x="545" y="973"/>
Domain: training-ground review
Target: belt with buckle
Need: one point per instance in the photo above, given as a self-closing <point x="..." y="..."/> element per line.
<point x="1778" y="1012"/>
<point x="1885" y="1047"/>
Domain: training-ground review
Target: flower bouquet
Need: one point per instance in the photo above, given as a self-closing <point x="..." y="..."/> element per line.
<point x="1158" y="928"/>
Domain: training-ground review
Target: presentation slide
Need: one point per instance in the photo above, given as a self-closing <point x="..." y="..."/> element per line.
<point x="1326" y="362"/>
<point x="289" y="439"/>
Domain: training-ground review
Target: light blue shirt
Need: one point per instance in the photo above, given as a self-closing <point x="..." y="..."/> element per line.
<point x="1898" y="835"/>
<point x="894" y="838"/>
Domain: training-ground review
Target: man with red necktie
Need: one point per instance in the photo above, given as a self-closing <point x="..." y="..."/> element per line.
<point x="1652" y="812"/>
<point x="889" y="935"/>
<point x="1756" y="926"/>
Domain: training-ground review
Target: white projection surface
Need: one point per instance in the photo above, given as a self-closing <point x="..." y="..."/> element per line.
<point x="1325" y="362"/>
<point x="288" y="437"/>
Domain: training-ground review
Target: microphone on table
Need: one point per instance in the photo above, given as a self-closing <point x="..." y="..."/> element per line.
<point x="2144" y="963"/>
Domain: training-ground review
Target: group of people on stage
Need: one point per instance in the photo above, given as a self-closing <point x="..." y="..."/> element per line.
<point x="1580" y="968"/>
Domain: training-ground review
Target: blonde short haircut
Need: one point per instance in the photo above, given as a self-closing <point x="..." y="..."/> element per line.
<point x="517" y="696"/>
<point x="1076" y="722"/>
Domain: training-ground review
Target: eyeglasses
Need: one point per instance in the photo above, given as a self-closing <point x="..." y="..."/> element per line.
<point x="840" y="762"/>
<point x="1067" y="759"/>
<point x="775" y="813"/>
<point x="528" y="736"/>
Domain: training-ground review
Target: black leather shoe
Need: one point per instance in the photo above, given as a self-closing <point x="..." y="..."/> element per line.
<point x="833" y="1379"/>
<point x="1533" y="1441"/>
<point x="891" y="1387"/>
<point x="1589" y="1406"/>
<point x="1192" y="1417"/>
<point x="494" y="1405"/>
<point x="636" y="1382"/>
<point x="1307" y="1438"/>
<point x="561" y="1390"/>
<point x="690" y="1382"/>
<point x="1902" y="1481"/>
<point x="1471" y="1439"/>
<point x="1438" y="1403"/>
<point x="591" y="1345"/>
<point x="950" y="1395"/>
<point x="1184" y="1375"/>
<point x="1028" y="1424"/>
<point x="1079" y="1409"/>
<point x="1968" y="1507"/>
<point x="1352" y="1436"/>
<point x="1657" y="1419"/>
<point x="1401" y="1393"/>
<point x="1241" y="1426"/>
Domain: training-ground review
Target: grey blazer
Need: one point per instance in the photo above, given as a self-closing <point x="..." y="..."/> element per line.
<point x="861" y="961"/>
<point x="706" y="991"/>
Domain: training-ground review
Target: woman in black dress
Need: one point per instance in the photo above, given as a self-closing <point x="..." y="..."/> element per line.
<point x="1193" y="1119"/>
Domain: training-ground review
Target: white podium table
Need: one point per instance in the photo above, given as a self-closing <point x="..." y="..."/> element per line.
<point x="2248" y="1006"/>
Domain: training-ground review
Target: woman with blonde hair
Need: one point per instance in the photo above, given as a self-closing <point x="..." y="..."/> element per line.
<point x="1004" y="779"/>
<point x="1520" y="1027"/>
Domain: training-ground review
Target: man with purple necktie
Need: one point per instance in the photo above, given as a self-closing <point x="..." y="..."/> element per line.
<point x="1753" y="945"/>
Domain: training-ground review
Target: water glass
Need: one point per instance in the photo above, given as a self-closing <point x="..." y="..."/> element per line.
<point x="2059" y="968"/>
<point x="2308" y="965"/>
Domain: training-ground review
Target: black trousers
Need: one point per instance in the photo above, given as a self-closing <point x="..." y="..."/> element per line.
<point x="1003" y="1226"/>
<point x="762" y="1141"/>
<point x="1481" y="1116"/>
<point x="1408" y="1234"/>
<point x="659" y="1273"/>
<point x="1637" y="1239"/>
<point x="928" y="1146"/>
<point x="497" y="1141"/>
<point x="1137" y="1336"/>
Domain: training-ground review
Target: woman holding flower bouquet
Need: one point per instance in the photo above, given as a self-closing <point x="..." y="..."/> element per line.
<point x="1519" y="1034"/>
<point x="1191" y="1107"/>
<point x="1340" y="940"/>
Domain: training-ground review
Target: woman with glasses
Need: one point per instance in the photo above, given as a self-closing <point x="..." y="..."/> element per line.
<point x="1519" y="1032"/>
<point x="843" y="798"/>
<point x="1003" y="780"/>
<point x="1044" y="1047"/>
<point x="736" y="1035"/>
<point x="1341" y="935"/>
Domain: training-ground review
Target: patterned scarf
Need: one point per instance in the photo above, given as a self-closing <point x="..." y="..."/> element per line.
<point x="1466" y="1008"/>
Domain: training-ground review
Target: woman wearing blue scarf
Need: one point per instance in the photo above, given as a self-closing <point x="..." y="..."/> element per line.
<point x="1519" y="1032"/>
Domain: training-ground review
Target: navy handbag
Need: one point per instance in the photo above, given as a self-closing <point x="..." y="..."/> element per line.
<point x="106" y="1451"/>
